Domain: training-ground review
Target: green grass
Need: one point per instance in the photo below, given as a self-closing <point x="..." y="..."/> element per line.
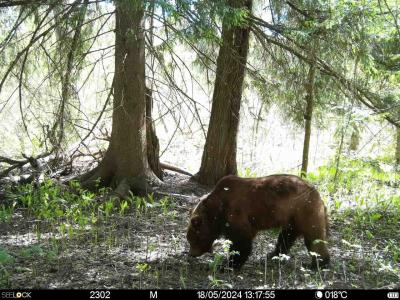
<point x="5" y="260"/>
<point x="75" y="206"/>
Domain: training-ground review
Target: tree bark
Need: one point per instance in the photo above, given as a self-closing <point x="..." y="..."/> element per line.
<point x="126" y="161"/>
<point x="219" y="155"/>
<point x="310" y="88"/>
<point x="354" y="138"/>
<point x="153" y="145"/>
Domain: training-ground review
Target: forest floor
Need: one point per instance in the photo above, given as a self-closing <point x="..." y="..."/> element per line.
<point x="142" y="244"/>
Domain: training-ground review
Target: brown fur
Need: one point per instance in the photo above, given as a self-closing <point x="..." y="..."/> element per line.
<point x="238" y="208"/>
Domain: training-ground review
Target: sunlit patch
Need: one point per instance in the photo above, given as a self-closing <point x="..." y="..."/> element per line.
<point x="27" y="239"/>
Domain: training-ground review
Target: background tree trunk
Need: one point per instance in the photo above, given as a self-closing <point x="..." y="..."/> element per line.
<point x="219" y="156"/>
<point x="354" y="138"/>
<point x="153" y="145"/>
<point x="308" y="118"/>
<point x="126" y="159"/>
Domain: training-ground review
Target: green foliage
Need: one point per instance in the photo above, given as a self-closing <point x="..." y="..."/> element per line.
<point x="357" y="38"/>
<point x="147" y="205"/>
<point x="393" y="249"/>
<point x="75" y="206"/>
<point x="142" y="267"/>
<point x="366" y="200"/>
<point x="32" y="252"/>
<point x="123" y="206"/>
<point x="5" y="257"/>
<point x="6" y="212"/>
<point x="247" y="173"/>
<point x="354" y="174"/>
<point x="165" y="204"/>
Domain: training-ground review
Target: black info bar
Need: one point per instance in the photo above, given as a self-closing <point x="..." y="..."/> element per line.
<point x="199" y="294"/>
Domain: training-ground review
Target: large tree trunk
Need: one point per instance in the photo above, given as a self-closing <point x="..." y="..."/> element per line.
<point x="125" y="163"/>
<point x="153" y="145"/>
<point x="219" y="156"/>
<point x="308" y="118"/>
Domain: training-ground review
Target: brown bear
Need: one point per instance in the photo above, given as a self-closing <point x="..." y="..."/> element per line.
<point x="238" y="208"/>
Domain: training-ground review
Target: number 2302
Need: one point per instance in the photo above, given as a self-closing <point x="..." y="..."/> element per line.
<point x="100" y="295"/>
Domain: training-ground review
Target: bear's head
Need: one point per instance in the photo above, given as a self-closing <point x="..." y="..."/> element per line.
<point x="204" y="225"/>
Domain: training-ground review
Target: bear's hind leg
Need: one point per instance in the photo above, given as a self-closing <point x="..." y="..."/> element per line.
<point x="286" y="240"/>
<point x="317" y="244"/>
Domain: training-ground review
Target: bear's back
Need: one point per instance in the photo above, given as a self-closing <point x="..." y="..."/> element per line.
<point x="269" y="201"/>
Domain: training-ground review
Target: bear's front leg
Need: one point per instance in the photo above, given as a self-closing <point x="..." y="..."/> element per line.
<point x="238" y="229"/>
<point x="241" y="248"/>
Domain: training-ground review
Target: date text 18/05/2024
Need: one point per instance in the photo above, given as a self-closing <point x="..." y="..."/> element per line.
<point x="261" y="294"/>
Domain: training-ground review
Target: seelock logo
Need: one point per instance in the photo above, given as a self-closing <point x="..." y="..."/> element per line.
<point x="16" y="295"/>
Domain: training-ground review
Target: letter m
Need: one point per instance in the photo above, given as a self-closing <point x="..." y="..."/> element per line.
<point x="153" y="295"/>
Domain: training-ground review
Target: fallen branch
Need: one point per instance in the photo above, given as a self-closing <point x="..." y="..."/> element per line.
<point x="33" y="161"/>
<point x="175" y="169"/>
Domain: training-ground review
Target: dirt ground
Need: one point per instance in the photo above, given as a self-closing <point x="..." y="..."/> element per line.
<point x="149" y="250"/>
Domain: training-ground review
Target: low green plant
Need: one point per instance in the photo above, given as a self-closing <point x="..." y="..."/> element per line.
<point x="108" y="208"/>
<point x="165" y="205"/>
<point x="393" y="249"/>
<point x="5" y="260"/>
<point x="6" y="213"/>
<point x="142" y="268"/>
<point x="218" y="259"/>
<point x="123" y="206"/>
<point x="32" y="252"/>
<point x="5" y="257"/>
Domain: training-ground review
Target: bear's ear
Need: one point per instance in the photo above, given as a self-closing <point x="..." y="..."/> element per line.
<point x="196" y="221"/>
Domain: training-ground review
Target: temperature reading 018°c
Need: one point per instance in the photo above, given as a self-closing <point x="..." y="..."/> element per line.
<point x="331" y="294"/>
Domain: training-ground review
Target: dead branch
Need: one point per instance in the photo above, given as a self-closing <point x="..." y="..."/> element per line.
<point x="14" y="164"/>
<point x="166" y="166"/>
